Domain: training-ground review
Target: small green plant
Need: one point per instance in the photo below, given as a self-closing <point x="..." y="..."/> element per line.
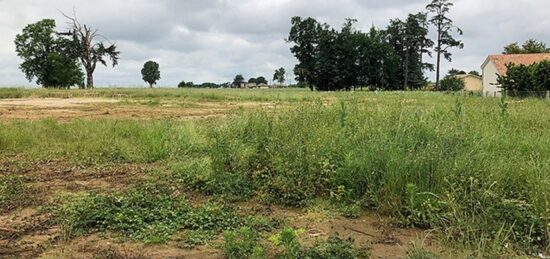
<point x="417" y="251"/>
<point x="194" y="238"/>
<point x="12" y="192"/>
<point x="288" y="240"/>
<point x="423" y="209"/>
<point x="457" y="109"/>
<point x="336" y="248"/>
<point x="243" y="243"/>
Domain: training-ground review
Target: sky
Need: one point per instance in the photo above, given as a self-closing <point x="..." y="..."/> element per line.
<point x="213" y="40"/>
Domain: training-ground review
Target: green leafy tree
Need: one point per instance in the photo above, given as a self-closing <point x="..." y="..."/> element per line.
<point x="182" y="84"/>
<point x="452" y="83"/>
<point x="261" y="80"/>
<point x="47" y="57"/>
<point x="474" y="73"/>
<point x="444" y="28"/>
<point x="529" y="47"/>
<point x="454" y="72"/>
<point x="252" y="80"/>
<point x="279" y="75"/>
<point x="239" y="79"/>
<point x="150" y="73"/>
<point x="526" y="80"/>
<point x="89" y="50"/>
<point x="410" y="42"/>
<point x="304" y="33"/>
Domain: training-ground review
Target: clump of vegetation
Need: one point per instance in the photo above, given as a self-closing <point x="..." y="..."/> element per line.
<point x="452" y="83"/>
<point x="194" y="238"/>
<point x="12" y="192"/>
<point x="417" y="251"/>
<point x="243" y="243"/>
<point x="333" y="247"/>
<point x="150" y="214"/>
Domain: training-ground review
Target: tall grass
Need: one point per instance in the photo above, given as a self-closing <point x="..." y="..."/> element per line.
<point x="458" y="164"/>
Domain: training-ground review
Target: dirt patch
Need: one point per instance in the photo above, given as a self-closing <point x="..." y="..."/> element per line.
<point x="97" y="108"/>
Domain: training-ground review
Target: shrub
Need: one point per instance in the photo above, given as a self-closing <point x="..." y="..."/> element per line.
<point x="452" y="83"/>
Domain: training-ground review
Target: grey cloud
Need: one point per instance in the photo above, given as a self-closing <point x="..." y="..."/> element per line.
<point x="212" y="40"/>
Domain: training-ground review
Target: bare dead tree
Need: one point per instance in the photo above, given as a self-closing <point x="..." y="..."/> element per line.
<point x="89" y="50"/>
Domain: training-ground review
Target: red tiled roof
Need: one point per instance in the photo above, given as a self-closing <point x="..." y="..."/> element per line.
<point x="501" y="61"/>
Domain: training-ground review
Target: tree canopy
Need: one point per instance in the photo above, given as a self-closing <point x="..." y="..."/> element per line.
<point x="279" y="75"/>
<point x="47" y="57"/>
<point x="150" y="73"/>
<point x="530" y="46"/>
<point x="239" y="79"/>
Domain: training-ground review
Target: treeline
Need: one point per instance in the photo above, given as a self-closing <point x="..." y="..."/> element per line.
<point x="387" y="59"/>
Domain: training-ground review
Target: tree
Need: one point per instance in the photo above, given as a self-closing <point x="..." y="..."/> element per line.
<point x="530" y="46"/>
<point x="444" y="25"/>
<point x="47" y="57"/>
<point x="182" y="84"/>
<point x="261" y="81"/>
<point x="474" y="73"/>
<point x="89" y="50"/>
<point x="150" y="73"/>
<point x="452" y="83"/>
<point x="525" y="80"/>
<point x="410" y="42"/>
<point x="304" y="33"/>
<point x="279" y="75"/>
<point x="239" y="79"/>
<point x="252" y="80"/>
<point x="454" y="72"/>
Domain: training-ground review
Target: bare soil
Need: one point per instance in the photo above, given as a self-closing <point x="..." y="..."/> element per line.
<point x="98" y="108"/>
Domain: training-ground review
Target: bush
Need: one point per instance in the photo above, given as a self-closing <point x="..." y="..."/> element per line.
<point x="452" y="83"/>
<point x="524" y="80"/>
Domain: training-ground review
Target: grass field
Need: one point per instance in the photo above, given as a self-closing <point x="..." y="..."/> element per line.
<point x="127" y="173"/>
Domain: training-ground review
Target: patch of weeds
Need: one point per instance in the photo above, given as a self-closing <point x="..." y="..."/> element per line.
<point x="417" y="251"/>
<point x="263" y="224"/>
<point x="113" y="253"/>
<point x="12" y="192"/>
<point x="243" y="243"/>
<point x="194" y="238"/>
<point x="351" y="211"/>
<point x="336" y="248"/>
<point x="423" y="209"/>
<point x="333" y="248"/>
<point x="151" y="214"/>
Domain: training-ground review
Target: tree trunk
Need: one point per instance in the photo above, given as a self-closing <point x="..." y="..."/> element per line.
<point x="437" y="88"/>
<point x="406" y="79"/>
<point x="150" y="85"/>
<point x="89" y="79"/>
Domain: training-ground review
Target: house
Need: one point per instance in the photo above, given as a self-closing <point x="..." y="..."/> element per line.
<point x="472" y="83"/>
<point x="495" y="65"/>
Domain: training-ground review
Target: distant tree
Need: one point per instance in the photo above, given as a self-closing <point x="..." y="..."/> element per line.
<point x="452" y="83"/>
<point x="261" y="80"/>
<point x="90" y="51"/>
<point x="47" y="57"/>
<point x="444" y="27"/>
<point x="150" y="73"/>
<point x="239" y="79"/>
<point x="252" y="80"/>
<point x="182" y="84"/>
<point x="279" y="75"/>
<point x="530" y="46"/>
<point x="410" y="42"/>
<point x="304" y="33"/>
<point x="474" y="73"/>
<point x="454" y="72"/>
<point x="525" y="80"/>
<point x="190" y="84"/>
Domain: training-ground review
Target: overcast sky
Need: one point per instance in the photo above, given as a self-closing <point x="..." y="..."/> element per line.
<point x="213" y="40"/>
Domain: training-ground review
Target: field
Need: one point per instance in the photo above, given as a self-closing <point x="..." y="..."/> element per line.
<point x="188" y="173"/>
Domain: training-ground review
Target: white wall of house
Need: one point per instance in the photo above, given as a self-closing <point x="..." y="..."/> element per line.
<point x="490" y="86"/>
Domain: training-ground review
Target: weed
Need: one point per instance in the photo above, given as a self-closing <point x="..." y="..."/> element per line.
<point x="243" y="243"/>
<point x="12" y="192"/>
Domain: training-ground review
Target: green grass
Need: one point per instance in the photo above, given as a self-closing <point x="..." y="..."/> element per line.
<point x="477" y="171"/>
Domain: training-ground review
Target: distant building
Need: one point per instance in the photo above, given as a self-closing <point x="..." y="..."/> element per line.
<point x="472" y="83"/>
<point x="495" y="65"/>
